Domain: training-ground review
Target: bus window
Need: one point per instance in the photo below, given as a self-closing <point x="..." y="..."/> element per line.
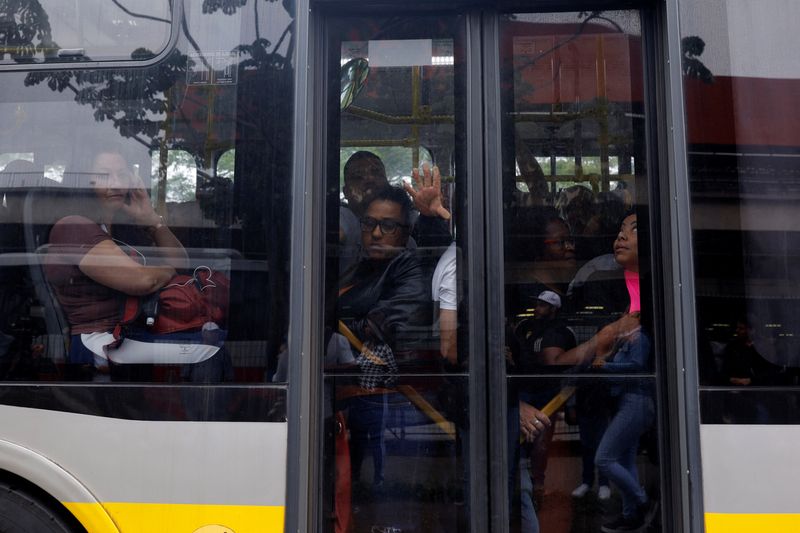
<point x="578" y="294"/>
<point x="126" y="157"/>
<point x="51" y="31"/>
<point x="181" y="176"/>
<point x="225" y="164"/>
<point x="395" y="357"/>
<point x="740" y="79"/>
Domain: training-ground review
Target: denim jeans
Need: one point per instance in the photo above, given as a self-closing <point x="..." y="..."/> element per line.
<point x="616" y="454"/>
<point x="529" y="523"/>
<point x="591" y="428"/>
<point x="367" y="422"/>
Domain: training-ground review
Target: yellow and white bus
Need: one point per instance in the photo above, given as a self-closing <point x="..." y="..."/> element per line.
<point x="358" y="361"/>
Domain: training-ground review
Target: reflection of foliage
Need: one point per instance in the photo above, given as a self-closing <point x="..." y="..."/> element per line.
<point x="133" y="100"/>
<point x="225" y="164"/>
<point x="228" y="7"/>
<point x="598" y="15"/>
<point x="692" y="47"/>
<point x="22" y="22"/>
<point x="181" y="175"/>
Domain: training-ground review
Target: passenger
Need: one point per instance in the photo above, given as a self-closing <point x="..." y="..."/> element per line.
<point x="597" y="291"/>
<point x="527" y="423"/>
<point x="624" y="347"/>
<point x="444" y="289"/>
<point x="542" y="340"/>
<point x="386" y="294"/>
<point x="600" y="230"/>
<point x="553" y="267"/>
<point x="94" y="263"/>
<point x="363" y="173"/>
<point x="426" y="191"/>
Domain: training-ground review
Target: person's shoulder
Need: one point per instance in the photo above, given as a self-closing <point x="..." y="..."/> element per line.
<point x="76" y="229"/>
<point x="407" y="258"/>
<point x="75" y="220"/>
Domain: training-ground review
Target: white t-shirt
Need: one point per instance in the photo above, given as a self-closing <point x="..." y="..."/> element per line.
<point x="444" y="284"/>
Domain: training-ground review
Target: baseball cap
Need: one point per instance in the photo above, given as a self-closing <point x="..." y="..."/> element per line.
<point x="551" y="298"/>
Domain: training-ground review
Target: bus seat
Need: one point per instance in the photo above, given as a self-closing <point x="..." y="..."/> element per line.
<point x="43" y="206"/>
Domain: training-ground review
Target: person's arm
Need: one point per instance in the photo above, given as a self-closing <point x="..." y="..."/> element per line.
<point x="634" y="356"/>
<point x="404" y="300"/>
<point x="448" y="324"/>
<point x="601" y="344"/>
<point x="142" y="212"/>
<point x="108" y="265"/>
<point x="550" y="355"/>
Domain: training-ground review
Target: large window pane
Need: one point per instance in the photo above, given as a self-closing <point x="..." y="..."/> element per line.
<point x="138" y="164"/>
<point x="579" y="339"/>
<point x="50" y="31"/>
<point x="741" y="78"/>
<point x="395" y="445"/>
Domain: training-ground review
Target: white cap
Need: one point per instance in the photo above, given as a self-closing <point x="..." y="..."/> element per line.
<point x="551" y="298"/>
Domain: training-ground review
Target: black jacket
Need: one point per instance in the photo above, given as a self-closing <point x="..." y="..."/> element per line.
<point x="386" y="300"/>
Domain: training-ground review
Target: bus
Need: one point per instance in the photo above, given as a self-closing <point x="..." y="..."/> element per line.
<point x="346" y="266"/>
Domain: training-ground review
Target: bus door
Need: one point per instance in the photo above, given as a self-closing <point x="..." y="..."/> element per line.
<point x="490" y="358"/>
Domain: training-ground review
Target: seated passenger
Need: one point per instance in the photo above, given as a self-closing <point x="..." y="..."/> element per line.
<point x="94" y="263"/>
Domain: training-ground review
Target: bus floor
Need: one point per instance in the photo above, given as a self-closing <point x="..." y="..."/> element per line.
<point x="428" y="494"/>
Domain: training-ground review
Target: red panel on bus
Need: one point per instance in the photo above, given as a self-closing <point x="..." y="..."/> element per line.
<point x="743" y="111"/>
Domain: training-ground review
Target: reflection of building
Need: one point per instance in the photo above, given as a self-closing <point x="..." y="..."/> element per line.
<point x="743" y="151"/>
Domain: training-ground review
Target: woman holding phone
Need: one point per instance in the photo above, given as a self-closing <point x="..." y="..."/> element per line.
<point x="95" y="259"/>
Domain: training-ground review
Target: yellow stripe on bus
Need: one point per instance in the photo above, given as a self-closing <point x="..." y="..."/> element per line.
<point x="176" y="518"/>
<point x="752" y="522"/>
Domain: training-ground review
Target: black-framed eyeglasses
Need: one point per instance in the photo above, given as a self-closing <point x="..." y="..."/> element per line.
<point x="563" y="243"/>
<point x="388" y="226"/>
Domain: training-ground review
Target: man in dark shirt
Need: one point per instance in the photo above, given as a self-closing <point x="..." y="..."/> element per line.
<point x="545" y="337"/>
<point x="541" y="340"/>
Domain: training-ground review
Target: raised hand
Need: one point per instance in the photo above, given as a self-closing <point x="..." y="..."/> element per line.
<point x="427" y="192"/>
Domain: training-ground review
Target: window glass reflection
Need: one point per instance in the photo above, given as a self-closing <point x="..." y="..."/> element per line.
<point x="742" y="146"/>
<point x="395" y="445"/>
<point x="118" y="195"/>
<point x="49" y="31"/>
<point x="581" y="448"/>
